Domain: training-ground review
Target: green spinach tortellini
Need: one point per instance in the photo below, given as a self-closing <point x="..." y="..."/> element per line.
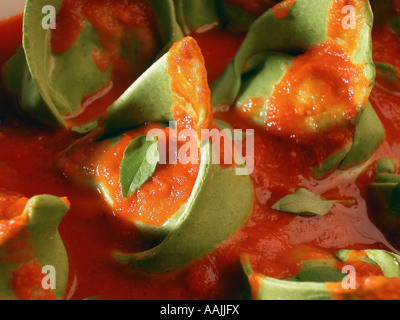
<point x="30" y="246"/>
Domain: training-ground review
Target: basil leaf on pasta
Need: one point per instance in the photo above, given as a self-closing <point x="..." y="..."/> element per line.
<point x="138" y="165"/>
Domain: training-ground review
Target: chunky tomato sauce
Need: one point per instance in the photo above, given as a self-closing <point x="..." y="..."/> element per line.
<point x="276" y="242"/>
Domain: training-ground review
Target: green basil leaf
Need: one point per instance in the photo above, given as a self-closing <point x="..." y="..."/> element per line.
<point x="304" y="202"/>
<point x="51" y="76"/>
<point x="40" y="231"/>
<point x="140" y="161"/>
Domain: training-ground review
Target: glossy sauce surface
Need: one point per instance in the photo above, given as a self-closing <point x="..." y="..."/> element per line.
<point x="272" y="239"/>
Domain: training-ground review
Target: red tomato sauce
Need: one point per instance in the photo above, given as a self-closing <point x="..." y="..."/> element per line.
<point x="217" y="60"/>
<point x="272" y="239"/>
